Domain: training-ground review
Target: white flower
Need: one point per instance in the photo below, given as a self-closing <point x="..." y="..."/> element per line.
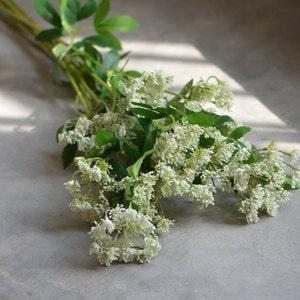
<point x="172" y="183"/>
<point x="73" y="187"/>
<point x="199" y="158"/>
<point x="149" y="88"/>
<point x="249" y="207"/>
<point x="143" y="189"/>
<point x="151" y="248"/>
<point x="172" y="147"/>
<point x="294" y="156"/>
<point x="205" y="92"/>
<point x="163" y="224"/>
<point x="124" y="234"/>
<point x="295" y="179"/>
<point x="242" y="177"/>
<point x="224" y="151"/>
<point x="203" y="194"/>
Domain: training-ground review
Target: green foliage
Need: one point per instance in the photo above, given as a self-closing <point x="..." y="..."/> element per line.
<point x="137" y="146"/>
<point x="104" y="137"/>
<point x="134" y="169"/>
<point x="82" y="60"/>
<point x="120" y="23"/>
<point x="148" y="111"/>
<point x="70" y="12"/>
<point x="49" y="35"/>
<point x="68" y="154"/>
<point x="101" y="12"/>
<point x="203" y="118"/>
<point x="288" y="183"/>
<point x="60" y="50"/>
<point x="239" y="132"/>
<point x="87" y="10"/>
<point x="118" y="168"/>
<point x="47" y="11"/>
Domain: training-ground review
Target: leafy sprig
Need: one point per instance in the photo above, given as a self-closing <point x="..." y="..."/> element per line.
<point x="136" y="142"/>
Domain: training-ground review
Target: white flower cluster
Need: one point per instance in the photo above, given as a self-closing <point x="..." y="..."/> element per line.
<point x="123" y="200"/>
<point x="178" y="160"/>
<point x="205" y="93"/>
<point x="260" y="185"/>
<point x="124" y="235"/>
<point x="149" y="89"/>
<point x="85" y="129"/>
<point x="120" y="233"/>
<point x="92" y="186"/>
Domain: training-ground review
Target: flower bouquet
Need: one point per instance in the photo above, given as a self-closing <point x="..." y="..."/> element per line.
<point x="136" y="142"/>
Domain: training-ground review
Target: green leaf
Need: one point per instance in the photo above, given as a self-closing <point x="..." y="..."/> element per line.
<point x="93" y="52"/>
<point x="156" y="113"/>
<point x="135" y="206"/>
<point x="115" y="80"/>
<point x="223" y="119"/>
<point x="116" y="42"/>
<point x="87" y="10"/>
<point x="68" y="154"/>
<point x="59" y="131"/>
<point x="128" y="191"/>
<point x="222" y="125"/>
<point x="238" y="132"/>
<point x="124" y="55"/>
<point x="254" y="157"/>
<point x="288" y="183"/>
<point x="65" y="15"/>
<point x="101" y="13"/>
<point x="150" y="141"/>
<point x="206" y="142"/>
<point x="60" y="50"/>
<point x="134" y="169"/>
<point x="118" y="168"/>
<point x="116" y="144"/>
<point x="134" y="74"/>
<point x="184" y="91"/>
<point x="203" y="118"/>
<point x="71" y="11"/>
<point x="104" y="137"/>
<point x="48" y="12"/>
<point x="122" y="88"/>
<point x="117" y="83"/>
<point x="101" y="41"/>
<point x="111" y="59"/>
<point x="49" y="35"/>
<point x="93" y="153"/>
<point x="119" y="23"/>
<point x="165" y="111"/>
<point x="106" y="153"/>
<point x="95" y="55"/>
<point x="151" y="114"/>
<point x="143" y="125"/>
<point x="130" y="152"/>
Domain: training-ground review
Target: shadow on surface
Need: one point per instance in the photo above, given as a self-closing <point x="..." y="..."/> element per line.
<point x="256" y="43"/>
<point x="225" y="210"/>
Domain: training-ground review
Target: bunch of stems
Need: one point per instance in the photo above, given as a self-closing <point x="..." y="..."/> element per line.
<point x="86" y="97"/>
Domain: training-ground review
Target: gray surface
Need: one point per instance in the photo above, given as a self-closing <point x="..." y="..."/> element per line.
<point x="210" y="254"/>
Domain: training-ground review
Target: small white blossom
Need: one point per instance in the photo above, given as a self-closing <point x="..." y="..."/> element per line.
<point x="205" y="92"/>
<point x="149" y="89"/>
<point x="202" y="194"/>
<point x="295" y="179"/>
<point x="124" y="234"/>
<point x="294" y="156"/>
